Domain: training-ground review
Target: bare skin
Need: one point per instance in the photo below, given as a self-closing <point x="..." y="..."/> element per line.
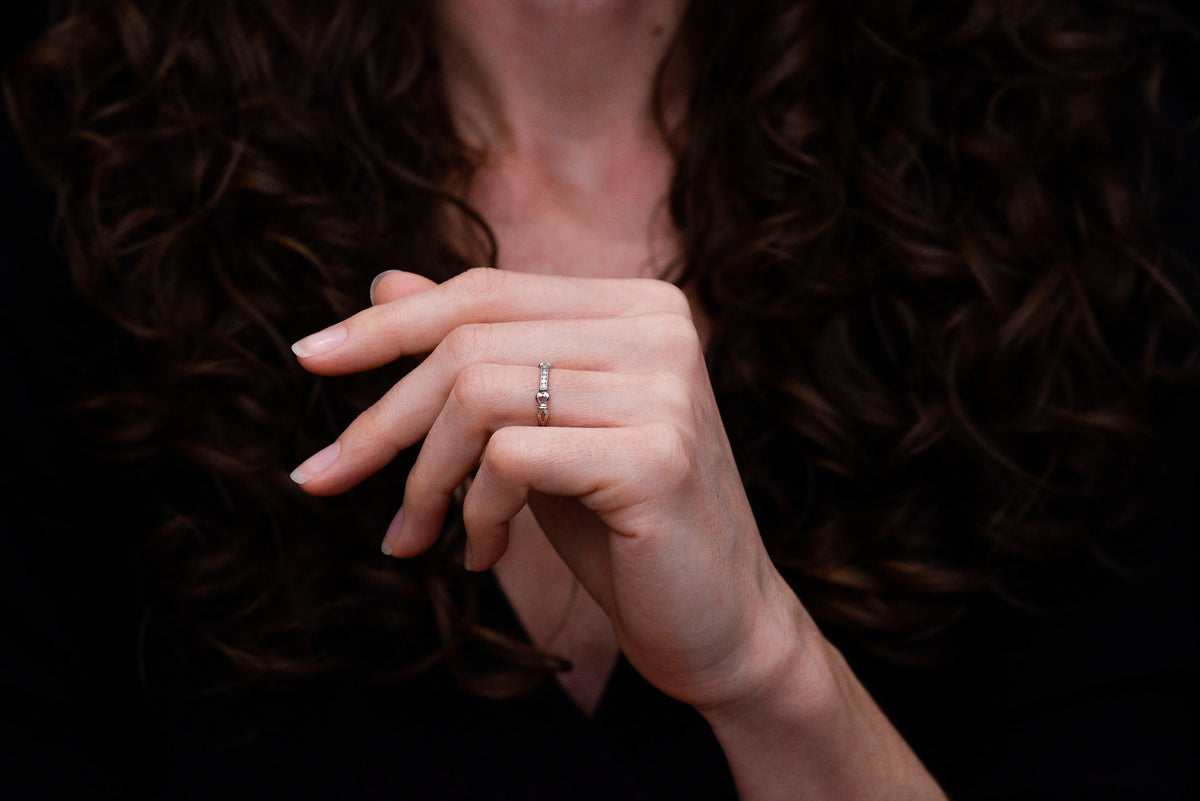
<point x="634" y="484"/>
<point x="568" y="187"/>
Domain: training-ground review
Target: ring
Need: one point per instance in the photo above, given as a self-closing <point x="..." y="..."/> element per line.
<point x="543" y="394"/>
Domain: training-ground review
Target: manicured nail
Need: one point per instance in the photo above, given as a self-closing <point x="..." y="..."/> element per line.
<point x="468" y="563"/>
<point x="316" y="464"/>
<point x="393" y="533"/>
<point x="320" y="342"/>
<point x="377" y="279"/>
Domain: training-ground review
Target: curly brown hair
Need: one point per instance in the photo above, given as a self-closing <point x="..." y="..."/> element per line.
<point x="923" y="232"/>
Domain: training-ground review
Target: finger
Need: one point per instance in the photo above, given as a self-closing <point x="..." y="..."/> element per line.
<point x="416" y="323"/>
<point x="488" y="397"/>
<point x="648" y="343"/>
<point x="392" y="285"/>
<point x="614" y="472"/>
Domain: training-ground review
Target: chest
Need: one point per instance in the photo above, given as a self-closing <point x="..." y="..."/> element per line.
<point x="559" y="616"/>
<point x="582" y="222"/>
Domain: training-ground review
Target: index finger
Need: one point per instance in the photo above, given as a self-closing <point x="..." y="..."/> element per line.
<point x="418" y="322"/>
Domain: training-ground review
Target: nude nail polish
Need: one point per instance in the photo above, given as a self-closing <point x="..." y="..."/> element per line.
<point x="316" y="464"/>
<point x="377" y="279"/>
<point x="393" y="533"/>
<point x="320" y="342"/>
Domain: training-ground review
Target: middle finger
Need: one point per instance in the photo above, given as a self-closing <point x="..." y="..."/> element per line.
<point x="658" y="342"/>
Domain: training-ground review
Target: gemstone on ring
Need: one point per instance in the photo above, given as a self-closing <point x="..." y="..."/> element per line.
<point x="543" y="394"/>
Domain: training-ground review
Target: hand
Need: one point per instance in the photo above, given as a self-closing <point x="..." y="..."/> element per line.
<point x="633" y="479"/>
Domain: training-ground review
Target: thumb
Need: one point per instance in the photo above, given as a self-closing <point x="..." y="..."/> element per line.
<point x="392" y="285"/>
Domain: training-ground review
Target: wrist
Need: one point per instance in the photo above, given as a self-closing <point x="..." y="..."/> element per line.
<point x="786" y="670"/>
<point x="802" y="726"/>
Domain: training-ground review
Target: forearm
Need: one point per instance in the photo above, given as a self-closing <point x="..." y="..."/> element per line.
<point x="811" y="731"/>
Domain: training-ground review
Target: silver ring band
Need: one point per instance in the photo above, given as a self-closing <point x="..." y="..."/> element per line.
<point x="543" y="394"/>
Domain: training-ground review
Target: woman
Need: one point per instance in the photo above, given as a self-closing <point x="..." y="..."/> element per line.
<point x="813" y="324"/>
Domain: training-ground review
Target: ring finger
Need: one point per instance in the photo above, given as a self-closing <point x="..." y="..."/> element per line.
<point x="488" y="397"/>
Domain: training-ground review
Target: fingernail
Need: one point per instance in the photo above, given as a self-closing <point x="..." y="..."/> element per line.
<point x="320" y="342"/>
<point x="467" y="561"/>
<point x="393" y="533"/>
<point x="316" y="464"/>
<point x="377" y="279"/>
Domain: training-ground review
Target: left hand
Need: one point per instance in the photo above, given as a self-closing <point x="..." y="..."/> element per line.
<point x="633" y="479"/>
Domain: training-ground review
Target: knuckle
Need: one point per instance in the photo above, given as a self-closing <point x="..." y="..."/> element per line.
<point x="475" y="385"/>
<point x="372" y="427"/>
<point x="670" y="452"/>
<point x="464" y="342"/>
<point x="670" y="298"/>
<point x="481" y="283"/>
<point x="674" y="394"/>
<point x="416" y="485"/>
<point x="504" y="454"/>
<point x="677" y="333"/>
<point x="472" y="515"/>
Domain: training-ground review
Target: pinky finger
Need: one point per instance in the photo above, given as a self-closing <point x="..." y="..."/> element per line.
<point x="500" y="489"/>
<point x="589" y="464"/>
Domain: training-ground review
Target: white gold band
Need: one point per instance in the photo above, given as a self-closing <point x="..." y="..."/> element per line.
<point x="543" y="394"/>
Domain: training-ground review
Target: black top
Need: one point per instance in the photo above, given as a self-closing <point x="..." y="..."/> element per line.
<point x="1093" y="701"/>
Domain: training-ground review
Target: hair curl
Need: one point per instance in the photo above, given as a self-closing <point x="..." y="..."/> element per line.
<point x="924" y="234"/>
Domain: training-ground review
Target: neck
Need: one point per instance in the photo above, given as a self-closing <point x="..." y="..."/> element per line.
<point x="536" y="79"/>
